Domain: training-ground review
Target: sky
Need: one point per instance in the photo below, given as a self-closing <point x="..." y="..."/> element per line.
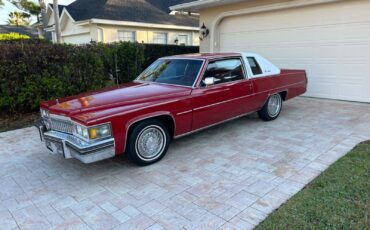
<point x="8" y="7"/>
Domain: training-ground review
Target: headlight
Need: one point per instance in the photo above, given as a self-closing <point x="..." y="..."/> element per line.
<point x="99" y="132"/>
<point x="82" y="131"/>
<point x="44" y="113"/>
<point x="95" y="132"/>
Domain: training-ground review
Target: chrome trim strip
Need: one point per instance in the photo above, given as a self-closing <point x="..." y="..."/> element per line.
<point x="185" y="112"/>
<point x="74" y="123"/>
<point x="233" y="118"/>
<point x="82" y="151"/>
<point x="199" y="73"/>
<point x="147" y="117"/>
<point x="75" y="141"/>
<point x="182" y="58"/>
<point x="221" y="102"/>
<point x="245" y="75"/>
<point x="161" y="83"/>
<point x="59" y="117"/>
<point x="225" y="84"/>
<point x="209" y="126"/>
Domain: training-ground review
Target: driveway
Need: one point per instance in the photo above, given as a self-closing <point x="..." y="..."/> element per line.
<point x="229" y="177"/>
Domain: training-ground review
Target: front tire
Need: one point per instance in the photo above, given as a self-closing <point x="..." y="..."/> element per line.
<point x="148" y="142"/>
<point x="272" y="108"/>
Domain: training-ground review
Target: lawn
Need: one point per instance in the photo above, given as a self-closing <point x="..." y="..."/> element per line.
<point x="338" y="199"/>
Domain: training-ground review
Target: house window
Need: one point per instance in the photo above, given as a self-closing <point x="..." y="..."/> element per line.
<point x="183" y="39"/>
<point x="160" y="38"/>
<point x="126" y="36"/>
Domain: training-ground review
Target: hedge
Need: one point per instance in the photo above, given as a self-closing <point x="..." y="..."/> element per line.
<point x="36" y="70"/>
<point x="13" y="36"/>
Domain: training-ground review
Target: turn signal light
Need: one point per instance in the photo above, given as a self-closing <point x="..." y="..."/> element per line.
<point x="93" y="133"/>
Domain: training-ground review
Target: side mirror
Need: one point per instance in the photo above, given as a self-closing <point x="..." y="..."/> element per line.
<point x="209" y="81"/>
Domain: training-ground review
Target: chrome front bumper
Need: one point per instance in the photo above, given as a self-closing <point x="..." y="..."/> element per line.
<point x="70" y="146"/>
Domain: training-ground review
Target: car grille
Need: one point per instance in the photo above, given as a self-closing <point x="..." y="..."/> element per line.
<point x="61" y="125"/>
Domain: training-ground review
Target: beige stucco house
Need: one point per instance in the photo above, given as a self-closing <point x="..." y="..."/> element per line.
<point x="147" y="21"/>
<point x="328" y="38"/>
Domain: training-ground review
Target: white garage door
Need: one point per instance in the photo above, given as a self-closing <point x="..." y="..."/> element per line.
<point x="77" y="39"/>
<point x="331" y="41"/>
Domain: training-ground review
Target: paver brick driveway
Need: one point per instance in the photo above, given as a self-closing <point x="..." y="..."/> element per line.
<point x="230" y="176"/>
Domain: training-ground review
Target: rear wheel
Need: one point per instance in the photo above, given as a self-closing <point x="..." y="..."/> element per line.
<point x="148" y="142"/>
<point x="272" y="108"/>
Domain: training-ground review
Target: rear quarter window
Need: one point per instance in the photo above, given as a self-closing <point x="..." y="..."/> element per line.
<point x="256" y="69"/>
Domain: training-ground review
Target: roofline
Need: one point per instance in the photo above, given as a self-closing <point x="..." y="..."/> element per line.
<point x="140" y="24"/>
<point x="195" y="6"/>
<point x="123" y="23"/>
<point x="65" y="12"/>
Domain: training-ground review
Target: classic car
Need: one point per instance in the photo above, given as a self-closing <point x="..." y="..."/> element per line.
<point x="173" y="97"/>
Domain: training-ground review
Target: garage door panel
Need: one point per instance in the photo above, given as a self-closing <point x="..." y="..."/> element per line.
<point x="330" y="41"/>
<point x="77" y="39"/>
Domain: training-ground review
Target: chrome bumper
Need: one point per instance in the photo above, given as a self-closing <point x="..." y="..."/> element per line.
<point x="70" y="146"/>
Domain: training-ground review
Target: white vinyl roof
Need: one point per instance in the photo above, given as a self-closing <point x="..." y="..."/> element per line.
<point x="195" y="6"/>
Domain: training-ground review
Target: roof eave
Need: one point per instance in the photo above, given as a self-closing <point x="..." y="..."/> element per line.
<point x="143" y="24"/>
<point x="195" y="6"/>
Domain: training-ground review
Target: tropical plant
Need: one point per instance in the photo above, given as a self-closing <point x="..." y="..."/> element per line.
<point x="17" y="18"/>
<point x="30" y="7"/>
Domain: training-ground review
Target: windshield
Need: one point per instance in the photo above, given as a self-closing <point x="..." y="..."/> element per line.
<point x="172" y="71"/>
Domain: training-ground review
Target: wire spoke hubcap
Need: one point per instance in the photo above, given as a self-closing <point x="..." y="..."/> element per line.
<point x="150" y="142"/>
<point x="274" y="105"/>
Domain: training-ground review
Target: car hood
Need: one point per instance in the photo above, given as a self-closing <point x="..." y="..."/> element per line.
<point x="118" y="96"/>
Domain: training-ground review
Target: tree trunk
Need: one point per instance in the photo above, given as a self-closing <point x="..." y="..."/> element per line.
<point x="56" y="19"/>
<point x="43" y="18"/>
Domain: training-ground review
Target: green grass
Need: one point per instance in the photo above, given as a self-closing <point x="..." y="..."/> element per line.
<point x="337" y="199"/>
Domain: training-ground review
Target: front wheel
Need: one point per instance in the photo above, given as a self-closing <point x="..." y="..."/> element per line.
<point x="272" y="108"/>
<point x="148" y="142"/>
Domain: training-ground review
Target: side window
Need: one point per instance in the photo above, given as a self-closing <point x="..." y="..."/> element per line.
<point x="256" y="69"/>
<point x="224" y="70"/>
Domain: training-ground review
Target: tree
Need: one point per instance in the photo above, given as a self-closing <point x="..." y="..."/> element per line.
<point x="56" y="19"/>
<point x="43" y="13"/>
<point x="37" y="10"/>
<point x="1" y="3"/>
<point x="17" y="18"/>
<point x="29" y="7"/>
<point x="44" y="23"/>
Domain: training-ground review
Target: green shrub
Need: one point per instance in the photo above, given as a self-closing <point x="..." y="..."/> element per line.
<point x="35" y="70"/>
<point x="13" y="36"/>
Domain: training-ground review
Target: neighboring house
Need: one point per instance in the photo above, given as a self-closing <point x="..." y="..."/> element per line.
<point x="29" y="31"/>
<point x="147" y="21"/>
<point x="328" y="38"/>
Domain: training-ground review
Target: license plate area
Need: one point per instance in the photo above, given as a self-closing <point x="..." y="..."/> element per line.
<point x="55" y="147"/>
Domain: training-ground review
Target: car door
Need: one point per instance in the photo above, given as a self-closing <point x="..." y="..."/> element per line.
<point x="227" y="98"/>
